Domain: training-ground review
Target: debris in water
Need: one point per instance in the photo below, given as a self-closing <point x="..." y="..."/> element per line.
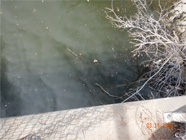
<point x="117" y="9"/>
<point x="95" y="61"/>
<point x="19" y="77"/>
<point x="34" y="10"/>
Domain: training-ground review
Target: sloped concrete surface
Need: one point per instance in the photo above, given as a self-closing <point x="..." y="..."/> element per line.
<point x="141" y="120"/>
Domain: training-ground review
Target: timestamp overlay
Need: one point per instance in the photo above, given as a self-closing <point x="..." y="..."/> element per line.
<point x="159" y="125"/>
<point x="152" y="124"/>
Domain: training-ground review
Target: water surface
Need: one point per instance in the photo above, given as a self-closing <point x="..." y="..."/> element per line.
<point x="53" y="53"/>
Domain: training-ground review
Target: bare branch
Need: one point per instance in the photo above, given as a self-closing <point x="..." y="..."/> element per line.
<point x="161" y="43"/>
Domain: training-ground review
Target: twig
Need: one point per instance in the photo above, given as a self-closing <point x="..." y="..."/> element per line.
<point x="72" y="52"/>
<point x="106" y="91"/>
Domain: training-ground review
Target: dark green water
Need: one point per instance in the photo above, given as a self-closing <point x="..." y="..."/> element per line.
<point x="39" y="69"/>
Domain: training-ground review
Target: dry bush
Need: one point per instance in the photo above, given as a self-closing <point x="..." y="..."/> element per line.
<point x="153" y="35"/>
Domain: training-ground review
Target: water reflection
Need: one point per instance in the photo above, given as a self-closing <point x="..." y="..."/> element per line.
<point x="40" y="72"/>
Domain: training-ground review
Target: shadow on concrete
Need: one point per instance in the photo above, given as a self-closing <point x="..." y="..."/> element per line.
<point x="120" y="120"/>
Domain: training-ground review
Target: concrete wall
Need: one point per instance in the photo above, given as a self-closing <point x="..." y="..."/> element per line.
<point x="110" y="122"/>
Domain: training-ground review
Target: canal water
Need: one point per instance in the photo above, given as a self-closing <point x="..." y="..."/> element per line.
<point x="58" y="55"/>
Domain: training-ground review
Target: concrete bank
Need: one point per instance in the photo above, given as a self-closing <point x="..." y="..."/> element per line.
<point x="131" y="121"/>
